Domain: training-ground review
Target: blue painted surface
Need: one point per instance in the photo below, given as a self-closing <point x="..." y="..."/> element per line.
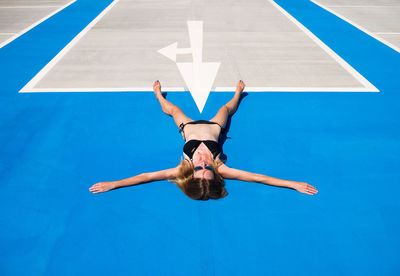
<point x="56" y="145"/>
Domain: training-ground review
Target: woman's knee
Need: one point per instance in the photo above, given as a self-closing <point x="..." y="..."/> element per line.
<point x="169" y="109"/>
<point x="175" y="110"/>
<point x="230" y="109"/>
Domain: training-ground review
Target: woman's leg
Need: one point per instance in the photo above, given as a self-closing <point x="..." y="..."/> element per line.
<point x="229" y="108"/>
<point x="169" y="108"/>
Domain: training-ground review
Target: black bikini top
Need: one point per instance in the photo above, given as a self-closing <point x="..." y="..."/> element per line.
<point x="190" y="147"/>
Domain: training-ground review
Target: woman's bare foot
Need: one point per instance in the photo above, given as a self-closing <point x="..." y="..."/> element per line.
<point x="239" y="88"/>
<point x="157" y="88"/>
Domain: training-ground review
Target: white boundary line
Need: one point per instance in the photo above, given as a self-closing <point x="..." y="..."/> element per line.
<point x="99" y="89"/>
<point x="217" y="89"/>
<point x="387" y="43"/>
<point x="296" y="89"/>
<point x="329" y="51"/>
<point x="33" y="25"/>
<point x="368" y="87"/>
<point x="65" y="50"/>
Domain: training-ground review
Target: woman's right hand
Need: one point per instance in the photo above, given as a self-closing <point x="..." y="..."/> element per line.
<point x="102" y="187"/>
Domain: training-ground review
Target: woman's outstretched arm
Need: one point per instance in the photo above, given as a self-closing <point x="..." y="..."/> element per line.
<point x="138" y="179"/>
<point x="230" y="173"/>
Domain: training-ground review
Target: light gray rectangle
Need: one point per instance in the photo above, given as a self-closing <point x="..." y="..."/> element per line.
<point x="253" y="41"/>
<point x="14" y="20"/>
<point x="33" y="3"/>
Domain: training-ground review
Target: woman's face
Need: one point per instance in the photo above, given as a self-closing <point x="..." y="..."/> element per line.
<point x="203" y="160"/>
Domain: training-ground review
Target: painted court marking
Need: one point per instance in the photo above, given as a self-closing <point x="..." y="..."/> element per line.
<point x="199" y="76"/>
<point x="368" y="86"/>
<point x="374" y="35"/>
<point x="29" y="86"/>
<point x="15" y="36"/>
<point x="193" y="72"/>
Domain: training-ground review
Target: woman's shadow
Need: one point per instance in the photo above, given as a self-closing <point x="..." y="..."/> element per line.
<point x="224" y="133"/>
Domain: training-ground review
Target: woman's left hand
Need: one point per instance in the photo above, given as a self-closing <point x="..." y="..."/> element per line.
<point x="305" y="188"/>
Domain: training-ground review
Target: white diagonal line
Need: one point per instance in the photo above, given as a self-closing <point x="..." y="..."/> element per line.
<point x="65" y="50"/>
<point x="394" y="47"/>
<point x="328" y="50"/>
<point x="217" y="89"/>
<point x="33" y="25"/>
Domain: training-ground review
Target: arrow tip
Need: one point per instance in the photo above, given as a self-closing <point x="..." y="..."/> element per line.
<point x="199" y="84"/>
<point x="170" y="51"/>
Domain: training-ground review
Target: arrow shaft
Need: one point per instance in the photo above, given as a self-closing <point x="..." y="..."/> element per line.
<point x="184" y="50"/>
<point x="195" y="29"/>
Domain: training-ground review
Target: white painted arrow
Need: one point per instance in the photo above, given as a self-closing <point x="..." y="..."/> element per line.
<point x="172" y="50"/>
<point x="199" y="76"/>
<point x="199" y="80"/>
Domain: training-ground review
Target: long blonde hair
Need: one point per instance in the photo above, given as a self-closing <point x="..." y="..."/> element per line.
<point x="200" y="188"/>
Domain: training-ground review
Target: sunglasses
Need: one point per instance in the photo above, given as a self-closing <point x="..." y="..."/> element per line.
<point x="198" y="168"/>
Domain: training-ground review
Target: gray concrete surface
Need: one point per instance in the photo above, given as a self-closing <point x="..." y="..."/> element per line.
<point x="16" y="15"/>
<point x="252" y="39"/>
<point x="380" y="17"/>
